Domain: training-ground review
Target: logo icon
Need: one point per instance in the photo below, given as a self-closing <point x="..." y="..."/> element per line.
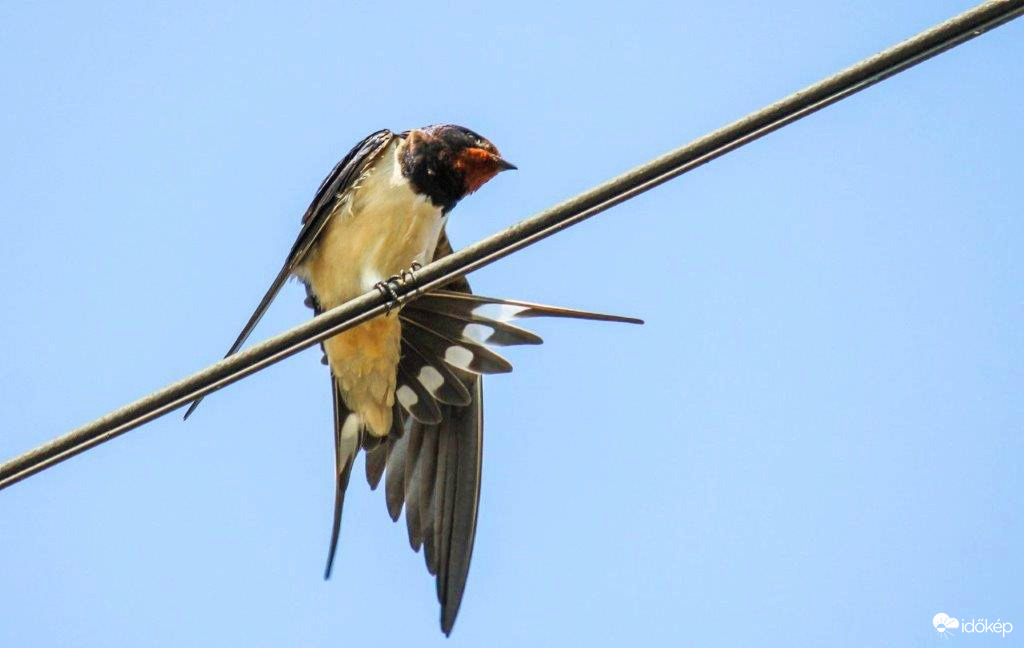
<point x="944" y="623"/>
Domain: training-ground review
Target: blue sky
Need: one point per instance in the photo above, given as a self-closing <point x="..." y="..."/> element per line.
<point x="814" y="440"/>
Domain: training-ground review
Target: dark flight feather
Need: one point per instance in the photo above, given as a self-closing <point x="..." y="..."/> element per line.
<point x="394" y="477"/>
<point x="420" y="489"/>
<point x="424" y="409"/>
<point x="452" y="390"/>
<point x="376" y="460"/>
<point x="345" y="456"/>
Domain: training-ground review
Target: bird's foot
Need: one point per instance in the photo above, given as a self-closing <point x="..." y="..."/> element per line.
<point x="409" y="274"/>
<point x="389" y="287"/>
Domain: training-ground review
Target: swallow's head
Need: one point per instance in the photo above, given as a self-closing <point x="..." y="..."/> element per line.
<point x="449" y="162"/>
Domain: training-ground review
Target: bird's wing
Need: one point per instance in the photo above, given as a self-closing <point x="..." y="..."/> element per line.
<point x="433" y="455"/>
<point x="342" y="177"/>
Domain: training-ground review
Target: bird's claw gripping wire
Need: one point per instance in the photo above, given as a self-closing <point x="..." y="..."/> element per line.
<point x="389" y="287"/>
<point x="409" y="274"/>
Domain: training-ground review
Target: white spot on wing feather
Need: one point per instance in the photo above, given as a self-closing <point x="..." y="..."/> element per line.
<point x="350" y="427"/>
<point x="476" y="331"/>
<point x="458" y="356"/>
<point x="406" y="396"/>
<point x="431" y="379"/>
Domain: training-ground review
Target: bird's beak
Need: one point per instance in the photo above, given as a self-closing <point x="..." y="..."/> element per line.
<point x="505" y="165"/>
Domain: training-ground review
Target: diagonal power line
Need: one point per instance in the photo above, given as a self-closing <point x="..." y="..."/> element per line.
<point x="897" y="58"/>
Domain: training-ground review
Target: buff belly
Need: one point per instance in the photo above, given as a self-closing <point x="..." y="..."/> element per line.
<point x="377" y="231"/>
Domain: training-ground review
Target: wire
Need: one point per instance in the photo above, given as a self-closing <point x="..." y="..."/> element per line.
<point x="870" y="71"/>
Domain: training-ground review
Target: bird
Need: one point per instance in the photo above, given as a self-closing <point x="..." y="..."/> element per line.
<point x="407" y="386"/>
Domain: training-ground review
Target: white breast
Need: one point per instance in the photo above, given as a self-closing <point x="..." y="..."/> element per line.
<point x="381" y="229"/>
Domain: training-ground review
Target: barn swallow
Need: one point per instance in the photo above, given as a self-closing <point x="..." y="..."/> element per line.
<point x="407" y="385"/>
